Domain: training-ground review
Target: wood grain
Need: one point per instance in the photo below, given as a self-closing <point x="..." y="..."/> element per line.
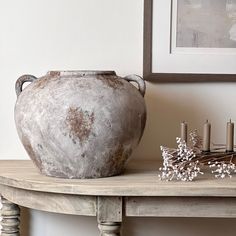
<point x="51" y="202"/>
<point x="10" y="213"/>
<point x="110" y="229"/>
<point x="109" y="209"/>
<point x="139" y="179"/>
<point x="138" y="192"/>
<point x="181" y="207"/>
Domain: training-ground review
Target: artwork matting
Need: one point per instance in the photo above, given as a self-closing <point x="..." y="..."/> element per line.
<point x="153" y="57"/>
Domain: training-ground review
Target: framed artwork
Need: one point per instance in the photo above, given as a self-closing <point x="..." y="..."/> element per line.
<point x="189" y="40"/>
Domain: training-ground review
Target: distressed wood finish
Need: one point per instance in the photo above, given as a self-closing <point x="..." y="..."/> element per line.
<point x="109" y="209"/>
<point x="109" y="229"/>
<point x="109" y="215"/>
<point x="139" y="179"/>
<point x="10" y="213"/>
<point x="181" y="207"/>
<point x="58" y="203"/>
<point x="138" y="192"/>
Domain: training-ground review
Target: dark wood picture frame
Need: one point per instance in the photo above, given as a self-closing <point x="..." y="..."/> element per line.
<point x="170" y="77"/>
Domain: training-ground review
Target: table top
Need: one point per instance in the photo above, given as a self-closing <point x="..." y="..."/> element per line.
<point x="139" y="179"/>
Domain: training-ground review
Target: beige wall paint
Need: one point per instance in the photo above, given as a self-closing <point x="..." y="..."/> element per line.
<point x="37" y="36"/>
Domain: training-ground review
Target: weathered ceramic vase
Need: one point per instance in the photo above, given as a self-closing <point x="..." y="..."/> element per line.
<point x="80" y="124"/>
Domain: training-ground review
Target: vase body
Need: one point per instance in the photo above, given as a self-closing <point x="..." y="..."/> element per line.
<point x="80" y="124"/>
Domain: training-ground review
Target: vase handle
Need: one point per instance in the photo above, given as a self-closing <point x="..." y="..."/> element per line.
<point x="21" y="81"/>
<point x="139" y="80"/>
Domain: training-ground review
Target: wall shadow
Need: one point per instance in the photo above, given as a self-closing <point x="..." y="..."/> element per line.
<point x="179" y="226"/>
<point x="25" y="221"/>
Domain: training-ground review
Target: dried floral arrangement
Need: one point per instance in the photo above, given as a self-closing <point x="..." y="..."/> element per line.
<point x="187" y="162"/>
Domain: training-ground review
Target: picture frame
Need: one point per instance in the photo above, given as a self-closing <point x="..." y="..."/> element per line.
<point x="151" y="56"/>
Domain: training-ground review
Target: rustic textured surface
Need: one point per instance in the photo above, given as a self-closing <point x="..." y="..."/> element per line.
<point x="52" y="202"/>
<point x="80" y="124"/>
<point x="218" y="207"/>
<point x="139" y="179"/>
<point x="137" y="193"/>
<point x="109" y="209"/>
<point x="110" y="229"/>
<point x="10" y="214"/>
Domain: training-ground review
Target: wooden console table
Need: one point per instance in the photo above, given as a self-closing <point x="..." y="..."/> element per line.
<point x="137" y="192"/>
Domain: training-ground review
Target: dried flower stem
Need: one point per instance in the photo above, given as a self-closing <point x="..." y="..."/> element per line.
<point x="184" y="163"/>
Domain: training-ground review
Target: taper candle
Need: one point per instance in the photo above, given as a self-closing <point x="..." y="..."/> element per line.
<point x="230" y="137"/>
<point x="206" y="137"/>
<point x="184" y="131"/>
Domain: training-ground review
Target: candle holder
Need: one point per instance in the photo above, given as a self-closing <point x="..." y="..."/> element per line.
<point x="187" y="162"/>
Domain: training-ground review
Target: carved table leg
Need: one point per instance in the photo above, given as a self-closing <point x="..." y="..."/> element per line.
<point x="109" y="229"/>
<point x="109" y="213"/>
<point x="10" y="218"/>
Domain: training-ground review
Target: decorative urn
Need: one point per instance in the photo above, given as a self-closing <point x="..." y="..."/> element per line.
<point x="80" y="124"/>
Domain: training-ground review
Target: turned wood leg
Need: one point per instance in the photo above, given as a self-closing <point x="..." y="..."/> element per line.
<point x="10" y="214"/>
<point x="109" y="229"/>
<point x="109" y="213"/>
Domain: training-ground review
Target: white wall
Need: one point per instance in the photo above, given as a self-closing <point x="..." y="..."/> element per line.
<point x="37" y="36"/>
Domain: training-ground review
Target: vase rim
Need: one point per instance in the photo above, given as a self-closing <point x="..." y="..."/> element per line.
<point x="80" y="72"/>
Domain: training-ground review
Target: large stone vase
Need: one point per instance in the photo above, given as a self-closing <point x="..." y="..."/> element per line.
<point x="80" y="124"/>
